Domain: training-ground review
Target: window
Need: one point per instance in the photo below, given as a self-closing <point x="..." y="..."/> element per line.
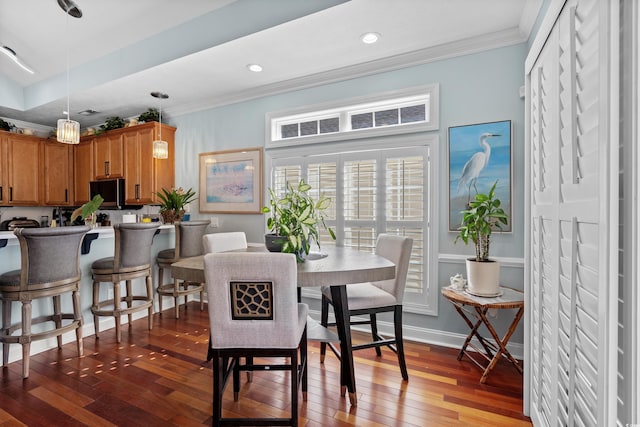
<point x="374" y="189"/>
<point x="406" y="111"/>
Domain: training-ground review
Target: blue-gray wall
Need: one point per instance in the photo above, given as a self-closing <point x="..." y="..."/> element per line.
<point x="474" y="88"/>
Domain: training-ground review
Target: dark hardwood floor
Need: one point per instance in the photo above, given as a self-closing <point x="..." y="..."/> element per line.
<point x="159" y="378"/>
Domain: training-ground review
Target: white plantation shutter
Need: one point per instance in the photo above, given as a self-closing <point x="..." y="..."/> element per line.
<point x="572" y="300"/>
<point x="373" y="192"/>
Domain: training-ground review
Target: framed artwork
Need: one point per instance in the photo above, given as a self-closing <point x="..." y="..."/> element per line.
<point x="231" y="181"/>
<point x="479" y="155"/>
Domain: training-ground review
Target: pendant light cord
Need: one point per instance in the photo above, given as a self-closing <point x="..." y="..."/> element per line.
<point x="67" y="31"/>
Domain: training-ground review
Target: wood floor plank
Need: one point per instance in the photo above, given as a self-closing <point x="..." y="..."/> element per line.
<point x="161" y="378"/>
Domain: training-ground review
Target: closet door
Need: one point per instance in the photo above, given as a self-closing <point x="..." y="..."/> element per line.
<point x="572" y="263"/>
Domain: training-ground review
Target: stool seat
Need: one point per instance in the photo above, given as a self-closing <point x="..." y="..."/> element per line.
<point x="167" y="254"/>
<point x="50" y="268"/>
<point x="131" y="260"/>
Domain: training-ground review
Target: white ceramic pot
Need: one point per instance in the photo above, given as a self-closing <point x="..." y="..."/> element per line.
<point x="483" y="278"/>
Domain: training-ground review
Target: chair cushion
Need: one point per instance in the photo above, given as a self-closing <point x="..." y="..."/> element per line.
<point x="364" y="295"/>
<point x="102" y="264"/>
<point x="166" y="255"/>
<point x="10" y="278"/>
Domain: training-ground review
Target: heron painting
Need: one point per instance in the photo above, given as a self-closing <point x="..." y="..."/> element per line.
<point x="479" y="155"/>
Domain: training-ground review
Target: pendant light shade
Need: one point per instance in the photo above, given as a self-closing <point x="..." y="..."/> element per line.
<point x="68" y="131"/>
<point x="160" y="147"/>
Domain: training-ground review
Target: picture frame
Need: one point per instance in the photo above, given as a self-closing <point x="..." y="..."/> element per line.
<point x="469" y="146"/>
<point x="231" y="181"/>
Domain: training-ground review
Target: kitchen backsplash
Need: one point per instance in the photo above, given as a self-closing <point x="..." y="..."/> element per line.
<point x="37" y="212"/>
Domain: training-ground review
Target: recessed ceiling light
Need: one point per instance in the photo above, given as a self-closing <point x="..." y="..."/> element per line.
<point x="87" y="112"/>
<point x="11" y="54"/>
<point x="369" y="38"/>
<point x="254" y="67"/>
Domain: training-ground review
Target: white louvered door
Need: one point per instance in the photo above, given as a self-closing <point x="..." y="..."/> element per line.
<point x="571" y="302"/>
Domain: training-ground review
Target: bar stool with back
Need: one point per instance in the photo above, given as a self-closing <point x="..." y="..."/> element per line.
<point x="50" y="259"/>
<point x="188" y="244"/>
<point x="131" y="260"/>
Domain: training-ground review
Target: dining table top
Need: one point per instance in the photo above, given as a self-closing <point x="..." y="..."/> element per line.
<point x="334" y="265"/>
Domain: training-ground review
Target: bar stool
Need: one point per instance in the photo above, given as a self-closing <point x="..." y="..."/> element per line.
<point x="50" y="259"/>
<point x="131" y="260"/>
<point x="188" y="244"/>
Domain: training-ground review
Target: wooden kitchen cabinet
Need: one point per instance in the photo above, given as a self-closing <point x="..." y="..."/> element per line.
<point x="108" y="155"/>
<point x="144" y="175"/>
<point x="57" y="179"/>
<point x="83" y="171"/>
<point x="20" y="169"/>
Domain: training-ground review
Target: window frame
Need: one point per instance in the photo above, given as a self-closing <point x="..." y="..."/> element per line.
<point x="429" y="143"/>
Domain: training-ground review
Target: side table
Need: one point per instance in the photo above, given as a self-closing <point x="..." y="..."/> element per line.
<point x="473" y="310"/>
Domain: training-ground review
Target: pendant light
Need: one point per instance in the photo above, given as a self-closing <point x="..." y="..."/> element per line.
<point x="68" y="130"/>
<point x="160" y="147"/>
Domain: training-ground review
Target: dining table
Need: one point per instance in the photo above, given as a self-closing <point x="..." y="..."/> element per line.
<point x="334" y="266"/>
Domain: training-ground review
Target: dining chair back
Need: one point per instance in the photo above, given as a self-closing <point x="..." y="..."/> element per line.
<point x="222" y="242"/>
<point x="131" y="260"/>
<point x="50" y="267"/>
<point x="253" y="312"/>
<point x="372" y="298"/>
<point x="188" y="243"/>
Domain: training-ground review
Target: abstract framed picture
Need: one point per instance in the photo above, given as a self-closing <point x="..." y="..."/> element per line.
<point x="231" y="181"/>
<point x="479" y="155"/>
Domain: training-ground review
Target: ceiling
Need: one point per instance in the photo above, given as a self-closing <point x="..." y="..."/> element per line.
<point x="197" y="51"/>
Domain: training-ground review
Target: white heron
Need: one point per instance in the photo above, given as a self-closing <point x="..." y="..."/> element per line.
<point x="475" y="165"/>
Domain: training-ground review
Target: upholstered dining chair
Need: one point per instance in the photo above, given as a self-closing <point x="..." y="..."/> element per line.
<point x="254" y="312"/>
<point x="223" y="242"/>
<point x="188" y="244"/>
<point x="377" y="297"/>
<point x="131" y="260"/>
<point x="50" y="267"/>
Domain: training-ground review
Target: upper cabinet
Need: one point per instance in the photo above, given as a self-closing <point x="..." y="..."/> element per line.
<point x="57" y="180"/>
<point x="83" y="171"/>
<point x="20" y="169"/>
<point x="108" y="155"/>
<point x="144" y="175"/>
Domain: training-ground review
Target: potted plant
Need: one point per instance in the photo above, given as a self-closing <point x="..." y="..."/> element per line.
<point x="151" y="115"/>
<point x="113" y="123"/>
<point x="294" y="220"/>
<point x="173" y="202"/>
<point x="483" y="216"/>
<point x="88" y="211"/>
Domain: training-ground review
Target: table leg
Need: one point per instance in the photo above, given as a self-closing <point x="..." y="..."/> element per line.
<point x="343" y="325"/>
<point x="474" y="332"/>
<point x="502" y="343"/>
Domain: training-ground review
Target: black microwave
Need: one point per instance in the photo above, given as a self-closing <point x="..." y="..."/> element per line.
<point x="111" y="190"/>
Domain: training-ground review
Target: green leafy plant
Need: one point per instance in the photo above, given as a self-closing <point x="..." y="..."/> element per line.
<point x="151" y="115"/>
<point x="483" y="216"/>
<point x="6" y="125"/>
<point x="113" y="123"/>
<point x="296" y="218"/>
<point x="175" y="199"/>
<point x="88" y="208"/>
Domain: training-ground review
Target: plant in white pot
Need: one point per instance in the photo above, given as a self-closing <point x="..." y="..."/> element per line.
<point x="294" y="221"/>
<point x="483" y="216"/>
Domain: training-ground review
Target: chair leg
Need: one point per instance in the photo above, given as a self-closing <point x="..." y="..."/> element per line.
<point x="324" y="321"/>
<point x="26" y="333"/>
<point x="6" y="324"/>
<point x="303" y="362"/>
<point x="149" y="281"/>
<point x="374" y="332"/>
<point x="236" y="378"/>
<point x="176" y="306"/>
<point x="77" y="316"/>
<point x="96" y="299"/>
<point x="202" y="300"/>
<point x="294" y="388"/>
<point x="116" y="310"/>
<point x="57" y="318"/>
<point x="397" y="321"/>
<point x="160" y="280"/>
<point x="129" y="299"/>
<point x="219" y="367"/>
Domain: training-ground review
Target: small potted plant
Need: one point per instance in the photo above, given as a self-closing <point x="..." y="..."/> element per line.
<point x="88" y="211"/>
<point x="112" y="123"/>
<point x="151" y="115"/>
<point x="294" y="220"/>
<point x="483" y="216"/>
<point x="173" y="202"/>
